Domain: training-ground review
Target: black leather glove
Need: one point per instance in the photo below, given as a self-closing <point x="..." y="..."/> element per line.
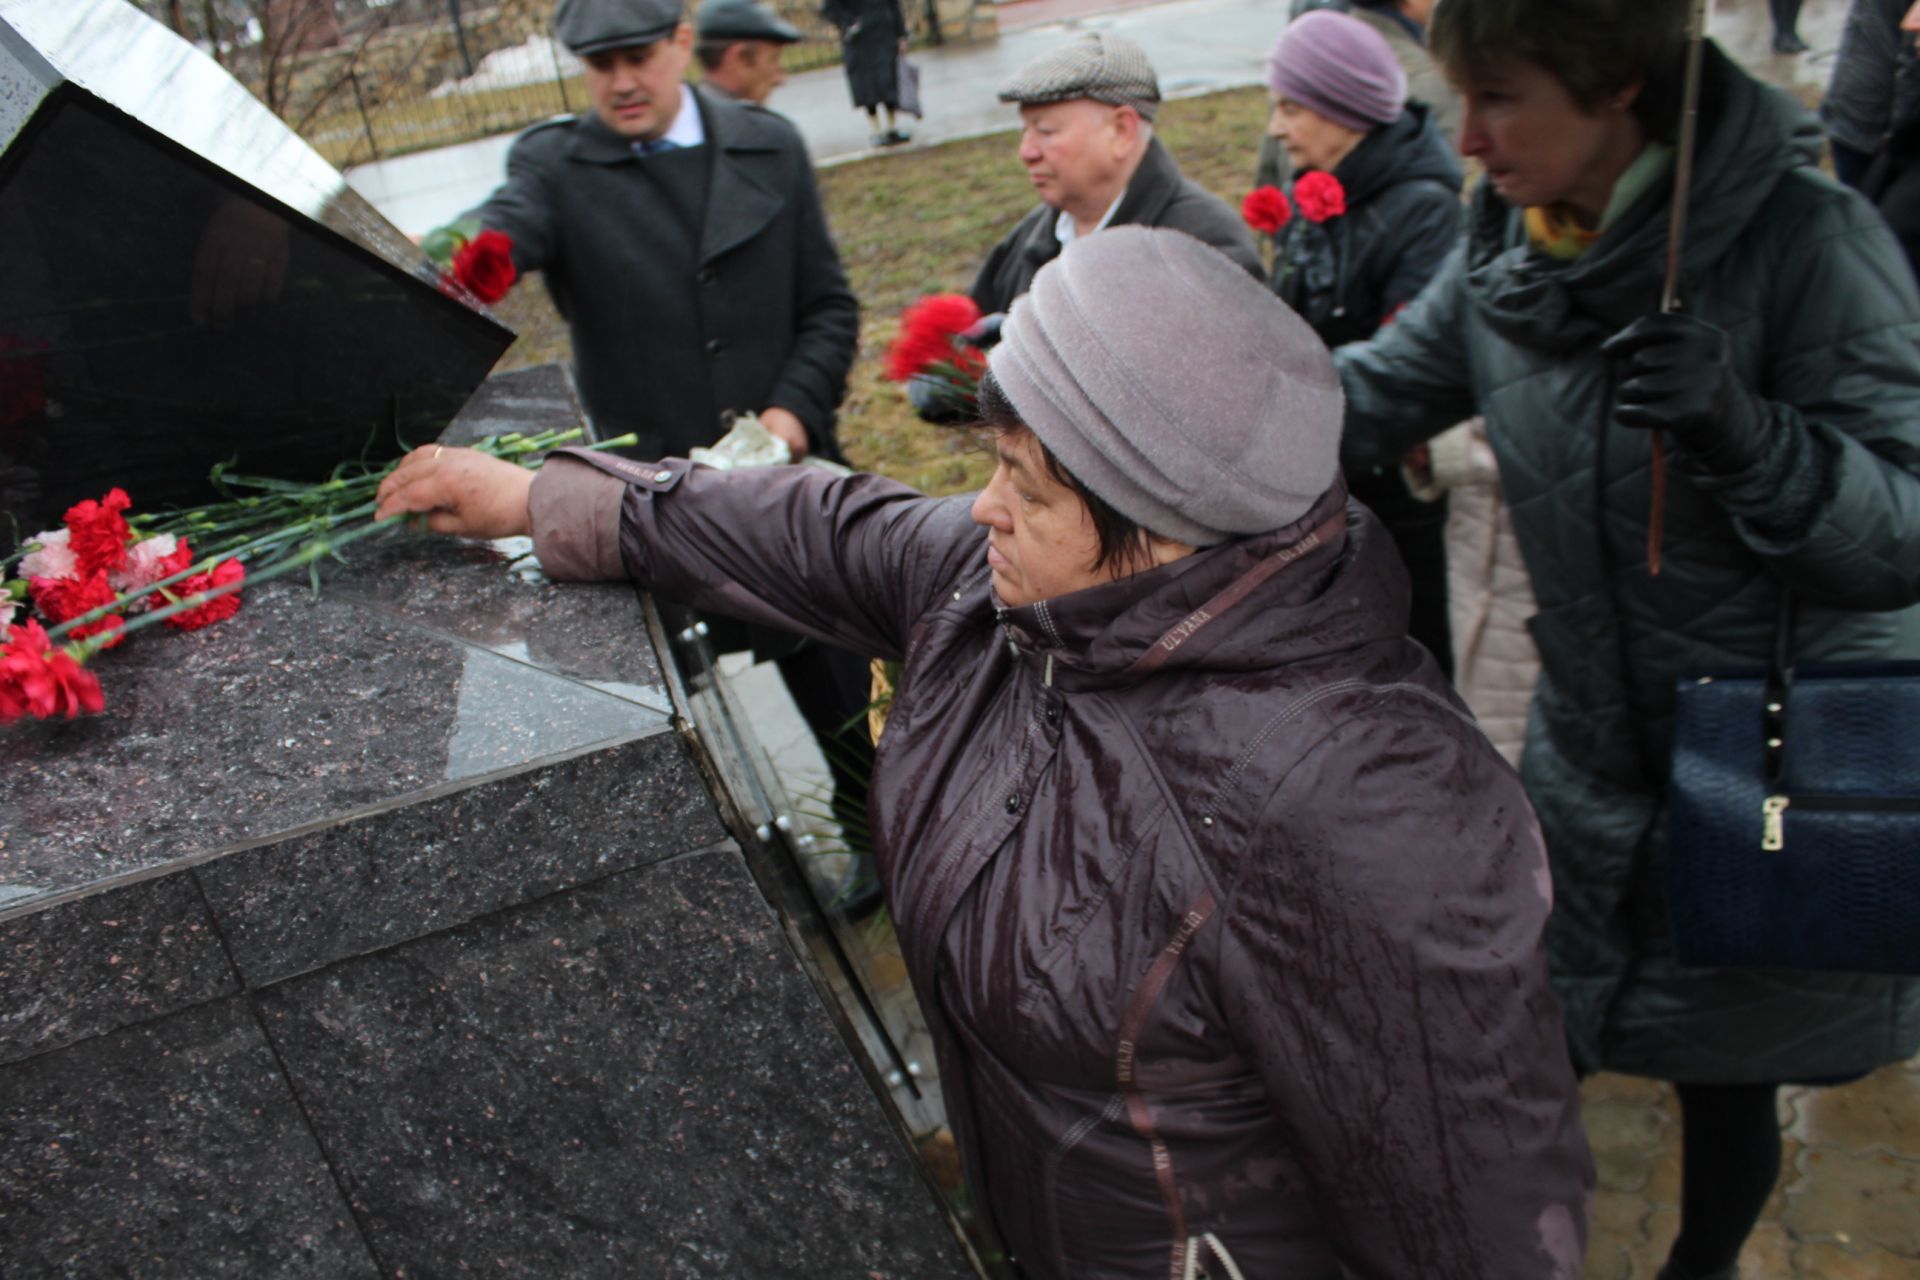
<point x="1678" y="378"/>
<point x="984" y="333"/>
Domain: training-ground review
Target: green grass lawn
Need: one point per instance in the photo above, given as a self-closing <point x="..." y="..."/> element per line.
<point x="921" y="221"/>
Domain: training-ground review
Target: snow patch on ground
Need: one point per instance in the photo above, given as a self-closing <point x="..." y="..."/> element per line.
<point x="531" y="63"/>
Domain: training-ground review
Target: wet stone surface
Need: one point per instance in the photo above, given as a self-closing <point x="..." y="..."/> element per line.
<point x="168" y="1150"/>
<point x="628" y="1080"/>
<point x="1847" y="1206"/>
<point x="297" y="711"/>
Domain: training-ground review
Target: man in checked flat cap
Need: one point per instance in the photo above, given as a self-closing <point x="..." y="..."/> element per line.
<point x="738" y="43"/>
<point x="1086" y="139"/>
<point x="681" y="236"/>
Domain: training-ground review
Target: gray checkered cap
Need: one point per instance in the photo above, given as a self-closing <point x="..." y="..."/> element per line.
<point x="1106" y="68"/>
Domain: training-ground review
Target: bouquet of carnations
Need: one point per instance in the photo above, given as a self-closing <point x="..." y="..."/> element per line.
<point x="107" y="573"/>
<point x="941" y="347"/>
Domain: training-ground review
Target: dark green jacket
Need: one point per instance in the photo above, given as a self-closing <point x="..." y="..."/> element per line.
<point x="1824" y="322"/>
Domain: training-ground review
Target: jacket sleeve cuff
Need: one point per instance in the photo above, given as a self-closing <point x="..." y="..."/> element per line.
<point x="575" y="514"/>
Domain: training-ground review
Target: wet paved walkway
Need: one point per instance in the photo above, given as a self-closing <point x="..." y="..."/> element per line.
<point x="1848" y="1203"/>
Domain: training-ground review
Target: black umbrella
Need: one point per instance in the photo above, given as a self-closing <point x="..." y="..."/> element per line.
<point x="1670" y="299"/>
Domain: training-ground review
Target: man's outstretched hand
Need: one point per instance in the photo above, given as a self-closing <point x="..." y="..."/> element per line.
<point x="460" y="492"/>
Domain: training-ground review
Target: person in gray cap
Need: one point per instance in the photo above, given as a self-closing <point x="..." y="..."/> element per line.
<point x="1086" y="139"/>
<point x="1225" y="916"/>
<point x="738" y="44"/>
<point x="681" y="236"/>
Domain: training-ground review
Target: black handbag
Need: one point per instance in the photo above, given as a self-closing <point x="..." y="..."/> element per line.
<point x="1793" y="836"/>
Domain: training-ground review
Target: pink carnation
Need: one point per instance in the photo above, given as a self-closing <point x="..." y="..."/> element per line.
<point x="54" y="559"/>
<point x="146" y="563"/>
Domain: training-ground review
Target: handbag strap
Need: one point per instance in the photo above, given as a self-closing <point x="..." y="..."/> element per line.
<point x="1779" y="685"/>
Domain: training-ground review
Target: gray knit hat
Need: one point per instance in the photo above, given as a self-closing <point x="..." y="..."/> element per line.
<point x="1106" y="68"/>
<point x="1174" y="385"/>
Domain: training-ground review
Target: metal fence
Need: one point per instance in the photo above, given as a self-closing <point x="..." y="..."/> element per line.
<point x="418" y="85"/>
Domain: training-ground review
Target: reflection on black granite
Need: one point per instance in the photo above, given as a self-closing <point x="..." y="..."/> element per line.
<point x="632" y="1079"/>
<point x="159" y="314"/>
<point x="109" y="960"/>
<point x="528" y="401"/>
<point x="602" y="641"/>
<point x="199" y="1099"/>
<point x="294" y="711"/>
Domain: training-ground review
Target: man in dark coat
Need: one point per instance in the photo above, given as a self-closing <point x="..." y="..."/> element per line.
<point x="738" y="43"/>
<point x="681" y="236"/>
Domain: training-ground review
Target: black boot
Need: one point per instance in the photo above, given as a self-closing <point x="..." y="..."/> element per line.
<point x="1786" y="18"/>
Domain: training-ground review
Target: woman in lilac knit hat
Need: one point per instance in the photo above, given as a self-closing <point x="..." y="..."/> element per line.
<point x="1356" y="145"/>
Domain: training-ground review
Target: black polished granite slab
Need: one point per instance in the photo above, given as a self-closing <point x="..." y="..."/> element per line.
<point x="127" y="955"/>
<point x="629" y="1080"/>
<point x="331" y="775"/>
<point x="172" y="1149"/>
<point x="187" y="282"/>
<point x="300" y="710"/>
<point x="403" y="931"/>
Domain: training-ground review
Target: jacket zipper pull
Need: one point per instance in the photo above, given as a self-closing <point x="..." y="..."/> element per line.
<point x="1773" y="838"/>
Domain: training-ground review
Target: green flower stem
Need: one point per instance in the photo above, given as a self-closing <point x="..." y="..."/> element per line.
<point x="306" y="555"/>
<point x="295" y="515"/>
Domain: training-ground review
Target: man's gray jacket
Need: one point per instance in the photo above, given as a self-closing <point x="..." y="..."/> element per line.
<point x="672" y="328"/>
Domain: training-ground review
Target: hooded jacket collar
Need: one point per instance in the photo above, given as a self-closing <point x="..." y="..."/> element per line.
<point x="1751" y="135"/>
<point x="1326" y="582"/>
<point x="1410" y="149"/>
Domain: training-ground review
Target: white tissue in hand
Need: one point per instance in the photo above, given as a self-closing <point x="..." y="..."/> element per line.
<point x="748" y="444"/>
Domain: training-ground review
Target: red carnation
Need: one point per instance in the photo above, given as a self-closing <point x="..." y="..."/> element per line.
<point x="39" y="680"/>
<point x="931" y="341"/>
<point x="97" y="533"/>
<point x="228" y="573"/>
<point x="1319" y="196"/>
<point x="1266" y="209"/>
<point x="63" y="599"/>
<point x="484" y="266"/>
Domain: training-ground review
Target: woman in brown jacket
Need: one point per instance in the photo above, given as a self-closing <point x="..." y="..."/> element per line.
<point x="1226" y="916"/>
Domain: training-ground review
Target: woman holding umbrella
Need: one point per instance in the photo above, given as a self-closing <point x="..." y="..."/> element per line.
<point x="1786" y="395"/>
